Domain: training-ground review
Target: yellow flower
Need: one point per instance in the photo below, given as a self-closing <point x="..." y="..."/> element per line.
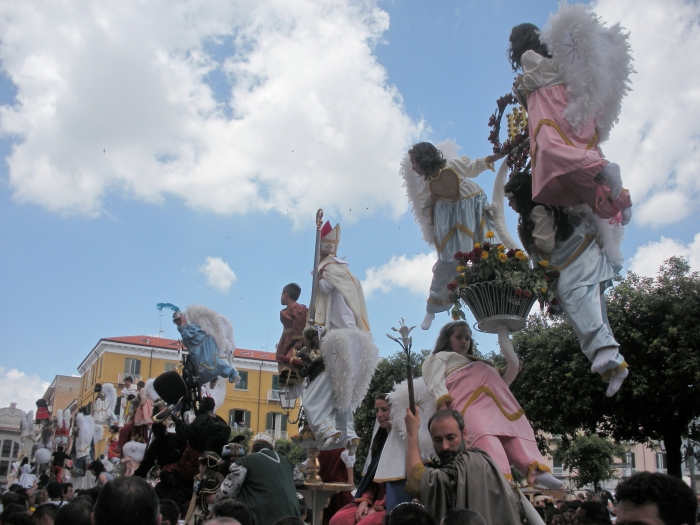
<point x="484" y="255"/>
<point x="460" y="269"/>
<point x="502" y="257"/>
<point x="501" y="248"/>
<point x="543" y="289"/>
<point x="477" y="245"/>
<point x="520" y="255"/>
<point x="544" y="264"/>
<point x="490" y="234"/>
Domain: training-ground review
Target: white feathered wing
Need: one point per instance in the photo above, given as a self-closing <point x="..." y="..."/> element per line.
<point x="595" y="61"/>
<point x="213" y="323"/>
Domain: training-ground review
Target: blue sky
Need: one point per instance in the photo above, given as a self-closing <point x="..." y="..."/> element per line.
<point x="139" y="141"/>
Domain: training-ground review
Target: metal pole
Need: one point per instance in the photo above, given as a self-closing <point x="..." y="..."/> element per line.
<point x="317" y="258"/>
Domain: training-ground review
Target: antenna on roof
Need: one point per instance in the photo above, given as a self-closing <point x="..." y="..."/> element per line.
<point x="160" y="330"/>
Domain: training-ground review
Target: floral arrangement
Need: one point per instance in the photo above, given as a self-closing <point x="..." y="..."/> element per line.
<point x="517" y="145"/>
<point x="492" y="263"/>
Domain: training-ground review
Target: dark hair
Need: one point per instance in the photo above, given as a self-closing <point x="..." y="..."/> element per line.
<point x="97" y="468"/>
<point x="74" y="513"/>
<point x="463" y="517"/>
<point x="572" y="504"/>
<point x="428" y="157"/>
<point x="675" y="500"/>
<point x="442" y="344"/>
<point x="127" y="500"/>
<point x="525" y="37"/>
<point x="47" y="509"/>
<point x="447" y="413"/>
<point x="233" y="509"/>
<point x="128" y="378"/>
<point x="14" y="498"/>
<point x="64" y="487"/>
<point x="17" y="518"/>
<point x="141" y="384"/>
<point x="596" y="514"/>
<point x="207" y="405"/>
<point x="293" y="290"/>
<point x="24" y="461"/>
<point x="289" y="520"/>
<point x="519" y="186"/>
<point x="169" y="510"/>
<point x="382" y="435"/>
<point x="410" y="513"/>
<point x="54" y="489"/>
<point x="260" y="445"/>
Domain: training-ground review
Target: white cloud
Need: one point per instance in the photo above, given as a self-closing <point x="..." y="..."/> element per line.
<point x="649" y="257"/>
<point x="218" y="273"/>
<point x="18" y="387"/>
<point x="114" y="97"/>
<point x="657" y="141"/>
<point x="414" y="273"/>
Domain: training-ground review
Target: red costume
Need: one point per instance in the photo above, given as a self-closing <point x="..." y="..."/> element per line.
<point x="293" y="319"/>
<point x="334" y="470"/>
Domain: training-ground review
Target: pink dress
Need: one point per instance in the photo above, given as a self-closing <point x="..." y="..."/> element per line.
<point x="564" y="162"/>
<point x="494" y="421"/>
<point x="144" y="412"/>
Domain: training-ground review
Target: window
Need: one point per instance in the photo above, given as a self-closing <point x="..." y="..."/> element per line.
<point x="4" y="467"/>
<point x="275" y="382"/>
<point x="15" y="450"/>
<point x="243" y="385"/>
<point x="88" y="378"/>
<point x="661" y="462"/>
<point x="7" y="448"/>
<point x="557" y="467"/>
<point x="88" y="409"/>
<point x="277" y="425"/>
<point x="101" y="359"/>
<point x="169" y="367"/>
<point x="631" y="460"/>
<point x="240" y="417"/>
<point x="132" y="366"/>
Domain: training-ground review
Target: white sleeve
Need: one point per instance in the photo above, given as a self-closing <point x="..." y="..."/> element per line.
<point x="532" y="75"/>
<point x="543" y="233"/>
<point x="231" y="486"/>
<point x="347" y="459"/>
<point x="466" y="168"/>
<point x="325" y="286"/>
<point x="434" y="371"/>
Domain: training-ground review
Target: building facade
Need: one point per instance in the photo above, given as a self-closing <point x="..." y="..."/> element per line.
<point x="10" y="438"/>
<point x="63" y="393"/>
<point x="253" y="404"/>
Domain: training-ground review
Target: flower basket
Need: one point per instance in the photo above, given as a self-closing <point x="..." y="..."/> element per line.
<point x="493" y="305"/>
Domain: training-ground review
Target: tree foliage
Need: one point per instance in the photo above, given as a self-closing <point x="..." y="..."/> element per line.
<point x="290" y="450"/>
<point x="655" y="320"/>
<point x="390" y="370"/>
<point x="590" y="457"/>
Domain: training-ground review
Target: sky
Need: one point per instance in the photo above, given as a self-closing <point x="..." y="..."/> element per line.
<point x="177" y="152"/>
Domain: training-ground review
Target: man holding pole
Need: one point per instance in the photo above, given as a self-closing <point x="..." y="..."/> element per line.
<point x="338" y="310"/>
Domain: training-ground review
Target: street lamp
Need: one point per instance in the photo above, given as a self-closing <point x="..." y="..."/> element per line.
<point x="288" y="404"/>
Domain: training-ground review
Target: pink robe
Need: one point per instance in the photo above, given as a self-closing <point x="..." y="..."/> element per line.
<point x="564" y="163"/>
<point x="494" y="421"/>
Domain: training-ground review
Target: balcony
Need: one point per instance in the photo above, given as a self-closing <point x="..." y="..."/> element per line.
<point x="277" y="434"/>
<point x="558" y="471"/>
<point x="273" y="395"/>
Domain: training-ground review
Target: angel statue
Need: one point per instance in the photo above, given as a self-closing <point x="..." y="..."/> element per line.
<point x="208" y="338"/>
<point x="451" y="209"/>
<point x="574" y="76"/>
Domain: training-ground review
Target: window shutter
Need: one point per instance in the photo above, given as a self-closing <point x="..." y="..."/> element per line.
<point x="247" y="418"/>
<point x="285" y="419"/>
<point x="275" y="382"/>
<point x="231" y="417"/>
<point x="270" y="416"/>
<point x="137" y="370"/>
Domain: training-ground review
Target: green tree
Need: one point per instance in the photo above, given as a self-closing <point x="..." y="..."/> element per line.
<point x="293" y="452"/>
<point x="390" y="370"/>
<point x="591" y="458"/>
<point x="655" y="320"/>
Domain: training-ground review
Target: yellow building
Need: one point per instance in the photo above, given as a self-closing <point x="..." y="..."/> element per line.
<point x="253" y="404"/>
